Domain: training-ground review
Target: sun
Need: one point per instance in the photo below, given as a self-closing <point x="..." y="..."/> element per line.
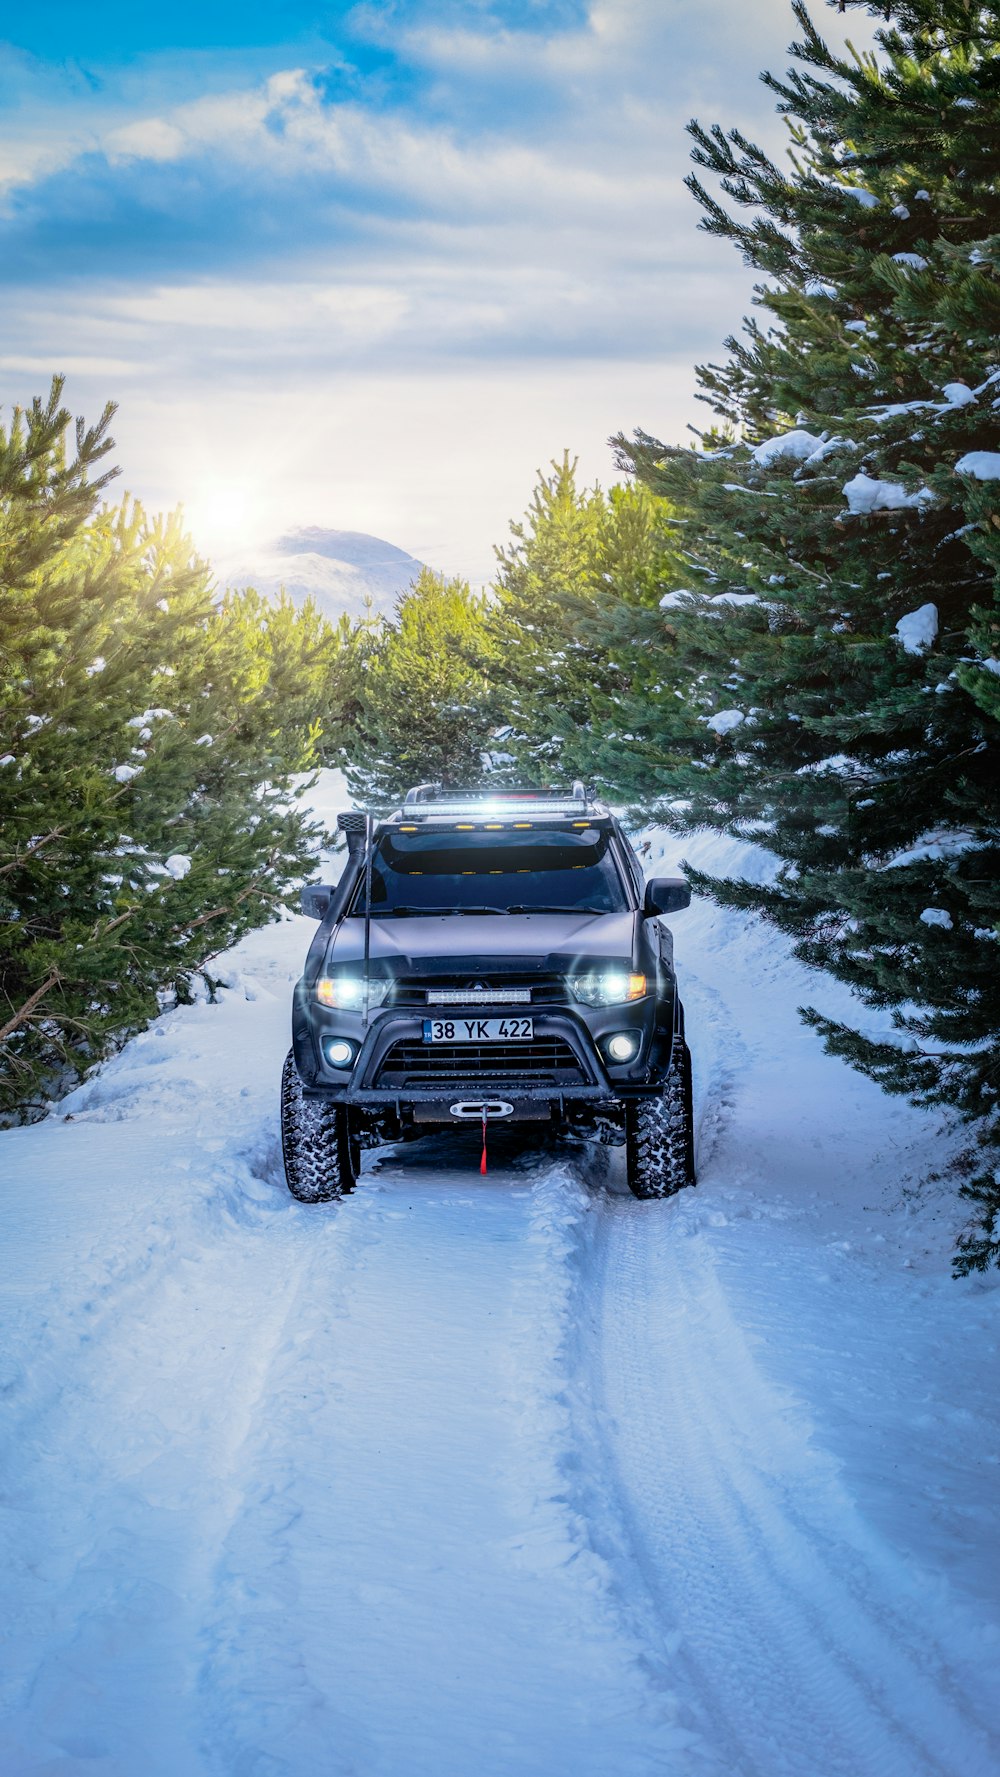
<point x="225" y="516"/>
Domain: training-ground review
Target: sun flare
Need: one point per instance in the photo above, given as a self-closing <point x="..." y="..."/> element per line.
<point x="225" y="516"/>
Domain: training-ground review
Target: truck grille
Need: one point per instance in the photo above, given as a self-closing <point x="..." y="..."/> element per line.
<point x="546" y="1061"/>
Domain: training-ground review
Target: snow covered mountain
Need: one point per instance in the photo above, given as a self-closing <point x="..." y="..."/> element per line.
<point x="340" y="570"/>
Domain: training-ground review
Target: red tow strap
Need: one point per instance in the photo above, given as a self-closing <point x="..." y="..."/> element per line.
<point x="482" y="1163"/>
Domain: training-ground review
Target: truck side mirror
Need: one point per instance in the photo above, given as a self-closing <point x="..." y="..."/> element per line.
<point x="665" y="894"/>
<point x="315" y="900"/>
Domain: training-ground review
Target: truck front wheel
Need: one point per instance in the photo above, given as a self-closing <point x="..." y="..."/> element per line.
<point x="321" y="1158"/>
<point x="659" y="1134"/>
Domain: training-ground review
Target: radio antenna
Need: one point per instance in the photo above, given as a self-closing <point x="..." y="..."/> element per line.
<point x="369" y="827"/>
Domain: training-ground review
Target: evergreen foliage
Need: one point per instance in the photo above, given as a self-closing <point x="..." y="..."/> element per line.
<point x="147" y="740"/>
<point x="517" y="686"/>
<point x="428" y="694"/>
<point x="841" y="634"/>
<point x="578" y="590"/>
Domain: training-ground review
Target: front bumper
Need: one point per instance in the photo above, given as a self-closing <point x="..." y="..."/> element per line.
<point x="572" y="1034"/>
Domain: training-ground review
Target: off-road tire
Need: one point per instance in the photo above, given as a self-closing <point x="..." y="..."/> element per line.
<point x="321" y="1159"/>
<point x="659" y="1134"/>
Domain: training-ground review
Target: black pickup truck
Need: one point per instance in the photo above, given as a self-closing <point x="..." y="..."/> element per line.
<point x="486" y="960"/>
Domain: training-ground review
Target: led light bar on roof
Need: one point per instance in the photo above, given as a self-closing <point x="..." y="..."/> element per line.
<point x="429" y="794"/>
<point x="492" y="811"/>
<point x="427" y="801"/>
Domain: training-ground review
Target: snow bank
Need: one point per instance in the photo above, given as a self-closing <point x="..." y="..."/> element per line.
<point x="324" y="794"/>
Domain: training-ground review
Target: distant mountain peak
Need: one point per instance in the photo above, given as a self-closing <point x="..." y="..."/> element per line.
<point x="341" y="571"/>
<point x="356" y="548"/>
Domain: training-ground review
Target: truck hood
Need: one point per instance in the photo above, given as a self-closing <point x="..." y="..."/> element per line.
<point x="453" y="943"/>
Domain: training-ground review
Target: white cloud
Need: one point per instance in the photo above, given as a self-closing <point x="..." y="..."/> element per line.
<point x="232" y="120"/>
<point x="407" y="312"/>
<point x="314" y="316"/>
<point x="149" y="138"/>
<point x="286" y="129"/>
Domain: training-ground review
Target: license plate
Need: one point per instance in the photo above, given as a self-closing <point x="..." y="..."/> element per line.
<point x="478" y="1030"/>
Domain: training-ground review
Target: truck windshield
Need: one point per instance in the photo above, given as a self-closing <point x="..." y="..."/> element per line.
<point x="550" y="871"/>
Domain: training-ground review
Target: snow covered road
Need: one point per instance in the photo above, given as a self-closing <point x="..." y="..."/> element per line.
<point x="514" y="1477"/>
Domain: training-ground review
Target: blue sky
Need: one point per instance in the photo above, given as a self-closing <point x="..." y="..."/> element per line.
<point x="368" y="266"/>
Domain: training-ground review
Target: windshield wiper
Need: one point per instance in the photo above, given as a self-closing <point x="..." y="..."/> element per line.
<point x="430" y="912"/>
<point x="523" y="907"/>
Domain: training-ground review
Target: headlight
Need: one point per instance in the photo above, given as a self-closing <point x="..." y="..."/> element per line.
<point x="346" y="993"/>
<point x="607" y="987"/>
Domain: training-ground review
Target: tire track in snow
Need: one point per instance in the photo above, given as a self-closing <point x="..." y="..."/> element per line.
<point x="803" y="1635"/>
<point x="123" y="1490"/>
<point x="410" y="1587"/>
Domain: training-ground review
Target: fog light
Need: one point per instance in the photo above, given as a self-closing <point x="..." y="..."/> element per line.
<point x="624" y="1046"/>
<point x="338" y="1052"/>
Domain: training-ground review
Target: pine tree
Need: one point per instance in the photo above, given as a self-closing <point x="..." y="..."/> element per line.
<point x="841" y="630"/>
<point x="148" y="739"/>
<point x="429" y="695"/>
<point x="578" y="591"/>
